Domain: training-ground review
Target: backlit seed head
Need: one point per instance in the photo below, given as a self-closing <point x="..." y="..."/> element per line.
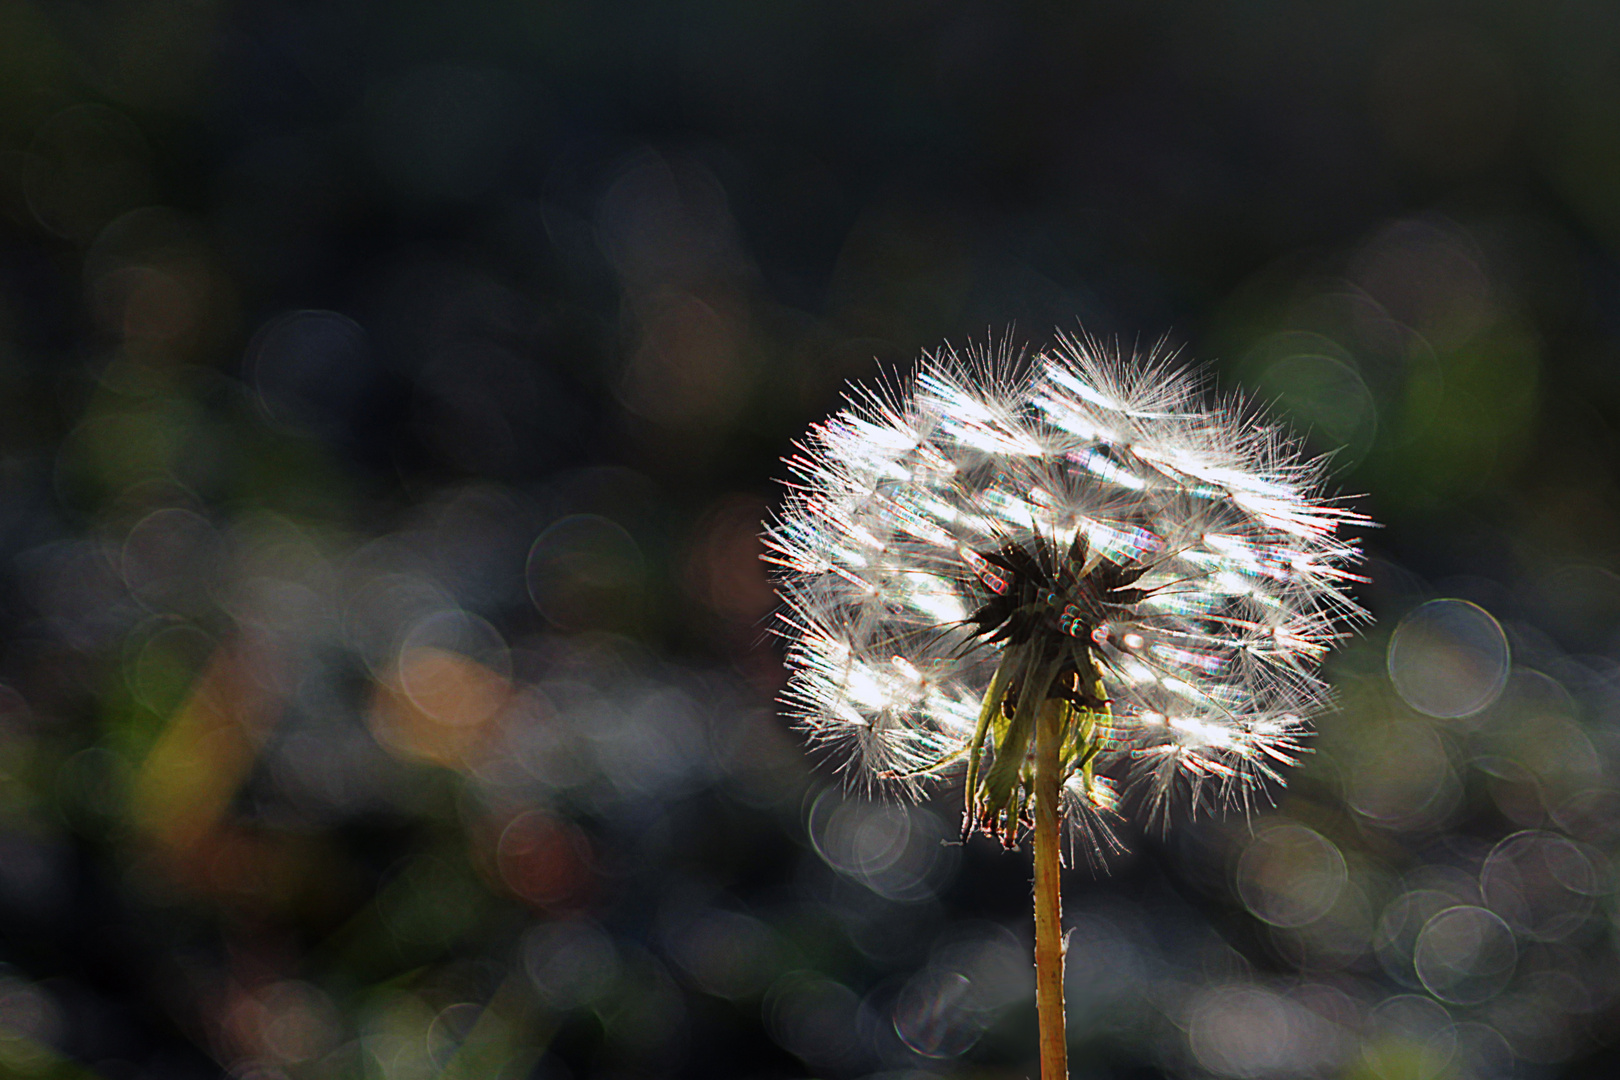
<point x="1175" y="559"/>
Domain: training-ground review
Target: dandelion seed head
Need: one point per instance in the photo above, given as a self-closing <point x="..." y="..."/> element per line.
<point x="924" y="534"/>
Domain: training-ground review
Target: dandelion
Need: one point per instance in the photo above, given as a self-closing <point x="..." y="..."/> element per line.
<point x="1068" y="582"/>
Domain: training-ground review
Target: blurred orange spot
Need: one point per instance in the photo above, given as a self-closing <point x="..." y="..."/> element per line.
<point x="437" y="706"/>
<point x="544" y="860"/>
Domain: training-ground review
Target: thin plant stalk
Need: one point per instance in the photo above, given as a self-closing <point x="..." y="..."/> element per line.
<point x="1049" y="945"/>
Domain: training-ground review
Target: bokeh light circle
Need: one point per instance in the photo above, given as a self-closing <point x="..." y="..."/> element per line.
<point x="934" y="1014"/>
<point x="897" y="851"/>
<point x="1482" y="1053"/>
<point x="1542" y="884"/>
<point x="586" y="572"/>
<point x="1290" y="875"/>
<point x="1448" y="658"/>
<point x="814" y="1018"/>
<point x="309" y="370"/>
<point x="1327" y="400"/>
<point x="1403" y="920"/>
<point x="1465" y="955"/>
<point x="1405" y="778"/>
<point x="454" y="666"/>
<point x="725" y="953"/>
<point x="170" y="558"/>
<point x="1249" y="1031"/>
<point x="1408" y="1037"/>
<point x="544" y="859"/>
<point x="570" y="962"/>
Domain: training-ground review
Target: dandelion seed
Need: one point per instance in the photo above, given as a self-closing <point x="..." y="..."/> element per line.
<point x="963" y="550"/>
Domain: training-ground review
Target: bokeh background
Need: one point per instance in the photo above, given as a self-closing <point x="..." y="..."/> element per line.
<point x="390" y="396"/>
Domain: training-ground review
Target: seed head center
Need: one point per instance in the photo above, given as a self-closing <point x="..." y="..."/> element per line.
<point x="1033" y="592"/>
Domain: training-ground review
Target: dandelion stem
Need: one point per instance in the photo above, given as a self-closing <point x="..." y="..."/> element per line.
<point x="1049" y="943"/>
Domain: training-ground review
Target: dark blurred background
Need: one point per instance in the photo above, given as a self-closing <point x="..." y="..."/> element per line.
<point x="390" y="396"/>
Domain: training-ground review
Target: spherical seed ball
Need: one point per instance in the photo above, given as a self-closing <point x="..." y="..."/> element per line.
<point x="1184" y="550"/>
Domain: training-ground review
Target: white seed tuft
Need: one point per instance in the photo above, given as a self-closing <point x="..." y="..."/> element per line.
<point x="1210" y="677"/>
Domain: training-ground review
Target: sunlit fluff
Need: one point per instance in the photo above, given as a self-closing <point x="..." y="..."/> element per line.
<point x="1237" y="573"/>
